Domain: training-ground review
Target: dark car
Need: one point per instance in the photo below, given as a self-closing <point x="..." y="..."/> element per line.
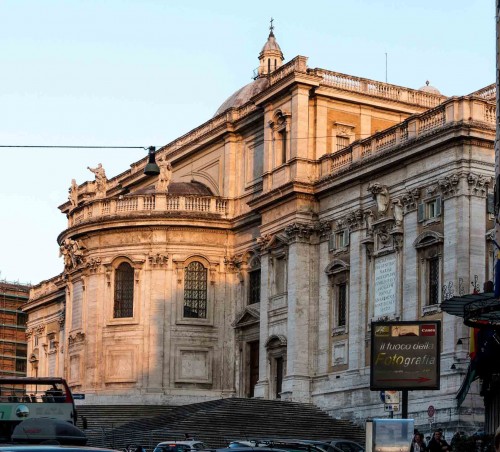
<point x="346" y="445"/>
<point x="284" y="444"/>
<point x="50" y="448"/>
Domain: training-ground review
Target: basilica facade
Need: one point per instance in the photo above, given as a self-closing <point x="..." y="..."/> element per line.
<point x="310" y="205"/>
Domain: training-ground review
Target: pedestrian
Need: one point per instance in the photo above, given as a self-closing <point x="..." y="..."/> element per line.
<point x="418" y="443"/>
<point x="496" y="440"/>
<point x="438" y="443"/>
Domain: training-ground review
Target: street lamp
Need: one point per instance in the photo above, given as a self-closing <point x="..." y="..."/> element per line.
<point x="152" y="169"/>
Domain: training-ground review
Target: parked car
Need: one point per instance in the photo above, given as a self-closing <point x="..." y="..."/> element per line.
<point x="346" y="445"/>
<point x="186" y="445"/>
<point x="50" y="448"/>
<point x="289" y="445"/>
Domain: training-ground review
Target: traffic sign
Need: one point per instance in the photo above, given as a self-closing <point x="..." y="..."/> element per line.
<point x="431" y="411"/>
<point x="391" y="407"/>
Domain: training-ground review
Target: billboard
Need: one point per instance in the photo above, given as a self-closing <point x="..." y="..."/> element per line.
<point x="405" y="355"/>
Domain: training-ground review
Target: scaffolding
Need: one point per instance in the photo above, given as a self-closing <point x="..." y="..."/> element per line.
<point x="13" y="346"/>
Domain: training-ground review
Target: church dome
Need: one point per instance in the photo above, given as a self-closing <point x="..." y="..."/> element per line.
<point x="243" y="95"/>
<point x="429" y="89"/>
<point x="192" y="188"/>
<point x="271" y="45"/>
<point x="270" y="59"/>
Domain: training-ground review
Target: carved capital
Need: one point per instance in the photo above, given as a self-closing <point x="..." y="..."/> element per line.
<point x="299" y="231"/>
<point x="410" y="199"/>
<point x="355" y="220"/>
<point x="449" y="185"/>
<point x="324" y="228"/>
<point x="158" y="259"/>
<point x="76" y="338"/>
<point x="93" y="264"/>
<point x="478" y="184"/>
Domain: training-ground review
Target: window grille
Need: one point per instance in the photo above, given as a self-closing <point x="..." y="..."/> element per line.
<point x="433" y="280"/>
<point x="254" y="295"/>
<point x="342" y="142"/>
<point x="124" y="291"/>
<point x="195" y="291"/>
<point x="341" y="304"/>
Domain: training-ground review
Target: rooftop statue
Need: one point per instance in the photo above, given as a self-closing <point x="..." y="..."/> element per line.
<point x="73" y="194"/>
<point x="100" y="180"/>
<point x="165" y="175"/>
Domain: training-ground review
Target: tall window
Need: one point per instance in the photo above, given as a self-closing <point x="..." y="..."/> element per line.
<point x="341" y="305"/>
<point x="433" y="264"/>
<point x="280" y="272"/>
<point x="124" y="291"/>
<point x="195" y="291"/>
<point x="254" y="293"/>
<point x="282" y="135"/>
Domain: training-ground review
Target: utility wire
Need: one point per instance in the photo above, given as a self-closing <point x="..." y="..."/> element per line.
<point x="73" y="147"/>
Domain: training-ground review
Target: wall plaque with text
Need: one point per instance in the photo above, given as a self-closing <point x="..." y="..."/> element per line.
<point x="385" y="286"/>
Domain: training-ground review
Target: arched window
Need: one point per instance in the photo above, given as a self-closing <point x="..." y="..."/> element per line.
<point x="195" y="291"/>
<point x="124" y="291"/>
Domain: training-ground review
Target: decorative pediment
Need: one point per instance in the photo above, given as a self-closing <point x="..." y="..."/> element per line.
<point x="269" y="242"/>
<point x="336" y="266"/>
<point x="275" y="341"/>
<point x="428" y="238"/>
<point x="249" y="316"/>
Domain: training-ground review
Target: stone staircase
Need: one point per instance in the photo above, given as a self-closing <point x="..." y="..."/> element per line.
<point x="215" y="423"/>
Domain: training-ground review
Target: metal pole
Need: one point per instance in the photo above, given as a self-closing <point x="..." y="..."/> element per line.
<point x="404" y="408"/>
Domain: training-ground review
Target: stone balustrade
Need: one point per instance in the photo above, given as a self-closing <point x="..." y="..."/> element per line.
<point x="380" y="89"/>
<point x="456" y="110"/>
<point x="135" y="205"/>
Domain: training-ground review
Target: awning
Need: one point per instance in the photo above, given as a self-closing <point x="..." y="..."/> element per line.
<point x="478" y="310"/>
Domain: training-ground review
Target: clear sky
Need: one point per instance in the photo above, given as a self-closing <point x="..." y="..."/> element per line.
<point x="143" y="72"/>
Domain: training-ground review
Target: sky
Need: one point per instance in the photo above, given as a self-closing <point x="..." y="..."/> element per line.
<point x="144" y="72"/>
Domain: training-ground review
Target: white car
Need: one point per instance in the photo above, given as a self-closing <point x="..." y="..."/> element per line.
<point x="186" y="445"/>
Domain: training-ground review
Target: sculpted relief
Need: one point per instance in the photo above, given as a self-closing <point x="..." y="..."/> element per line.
<point x="72" y="252"/>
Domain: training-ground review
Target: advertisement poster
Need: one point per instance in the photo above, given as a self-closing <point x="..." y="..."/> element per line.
<point x="405" y="355"/>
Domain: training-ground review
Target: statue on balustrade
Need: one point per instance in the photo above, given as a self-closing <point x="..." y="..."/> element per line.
<point x="165" y="175"/>
<point x="100" y="180"/>
<point x="73" y="194"/>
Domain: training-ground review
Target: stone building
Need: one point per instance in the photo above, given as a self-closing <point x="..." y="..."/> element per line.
<point x="13" y="349"/>
<point x="252" y="265"/>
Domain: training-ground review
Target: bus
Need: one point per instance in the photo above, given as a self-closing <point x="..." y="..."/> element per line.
<point x="27" y="398"/>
